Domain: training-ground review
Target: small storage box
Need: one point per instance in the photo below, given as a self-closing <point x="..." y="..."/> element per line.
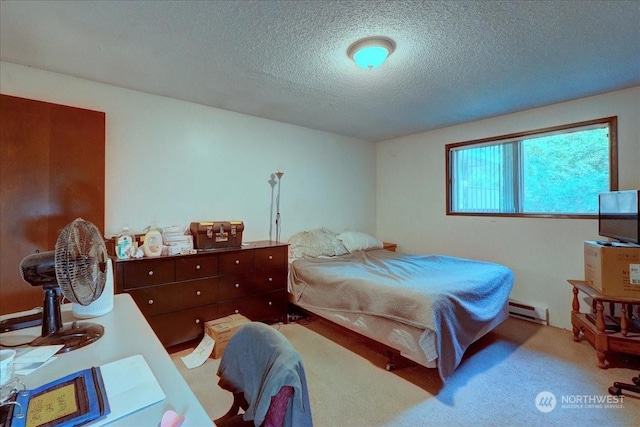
<point x="216" y="234"/>
<point x="222" y="329"/>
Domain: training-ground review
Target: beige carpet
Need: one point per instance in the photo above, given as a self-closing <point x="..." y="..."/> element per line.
<point x="496" y="384"/>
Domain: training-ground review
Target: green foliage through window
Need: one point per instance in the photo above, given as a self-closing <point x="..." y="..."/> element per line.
<point x="550" y="172"/>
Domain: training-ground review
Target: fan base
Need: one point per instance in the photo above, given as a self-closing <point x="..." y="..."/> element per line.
<point x="73" y="337"/>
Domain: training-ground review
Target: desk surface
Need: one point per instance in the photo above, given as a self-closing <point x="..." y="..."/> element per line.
<point x="126" y="333"/>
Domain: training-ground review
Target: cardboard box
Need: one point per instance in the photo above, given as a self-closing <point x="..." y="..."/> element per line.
<point x="613" y="270"/>
<point x="222" y="329"/>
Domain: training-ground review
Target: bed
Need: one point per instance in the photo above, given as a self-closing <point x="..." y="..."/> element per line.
<point x="430" y="308"/>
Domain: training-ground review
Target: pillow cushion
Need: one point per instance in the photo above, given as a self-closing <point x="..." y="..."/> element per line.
<point x="315" y="243"/>
<point x="358" y="241"/>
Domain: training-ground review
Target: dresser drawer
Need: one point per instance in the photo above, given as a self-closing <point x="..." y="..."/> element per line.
<point x="196" y="267"/>
<point x="178" y="327"/>
<point x="266" y="306"/>
<point x="235" y="285"/>
<point x="271" y="258"/>
<point x="269" y="280"/>
<point x="234" y="262"/>
<point x="177" y="296"/>
<point x="148" y="272"/>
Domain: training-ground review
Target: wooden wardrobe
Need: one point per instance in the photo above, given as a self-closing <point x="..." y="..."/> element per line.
<point x="52" y="165"/>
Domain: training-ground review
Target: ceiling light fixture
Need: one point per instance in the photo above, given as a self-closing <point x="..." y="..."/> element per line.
<point x="371" y="52"/>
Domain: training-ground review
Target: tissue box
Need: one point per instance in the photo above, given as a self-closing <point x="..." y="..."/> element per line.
<point x="222" y="329"/>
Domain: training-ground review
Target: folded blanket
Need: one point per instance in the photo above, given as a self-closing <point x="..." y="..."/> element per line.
<point x="258" y="361"/>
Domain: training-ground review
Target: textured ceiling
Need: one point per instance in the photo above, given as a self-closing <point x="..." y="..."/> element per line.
<point x="455" y="61"/>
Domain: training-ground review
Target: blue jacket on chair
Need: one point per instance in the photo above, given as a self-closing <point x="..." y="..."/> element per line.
<point x="258" y="361"/>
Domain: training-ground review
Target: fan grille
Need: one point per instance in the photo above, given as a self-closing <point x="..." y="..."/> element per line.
<point x="81" y="257"/>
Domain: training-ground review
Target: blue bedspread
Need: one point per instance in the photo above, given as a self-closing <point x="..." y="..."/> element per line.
<point x="454" y="297"/>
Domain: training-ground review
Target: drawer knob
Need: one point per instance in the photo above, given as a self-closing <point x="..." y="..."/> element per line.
<point x="150" y="272"/>
<point x="150" y="301"/>
<point x="271" y="279"/>
<point x="237" y="261"/>
<point x="198" y="292"/>
<point x="198" y="267"/>
<point x="237" y="311"/>
<point x="270" y="256"/>
<point x="237" y="285"/>
<point x="197" y="321"/>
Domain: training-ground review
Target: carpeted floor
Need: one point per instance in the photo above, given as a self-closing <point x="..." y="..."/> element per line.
<point x="496" y="384"/>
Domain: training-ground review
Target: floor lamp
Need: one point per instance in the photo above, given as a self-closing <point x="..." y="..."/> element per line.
<point x="279" y="175"/>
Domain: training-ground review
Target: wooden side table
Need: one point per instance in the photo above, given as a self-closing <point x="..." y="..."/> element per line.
<point x="603" y="340"/>
<point x="389" y="246"/>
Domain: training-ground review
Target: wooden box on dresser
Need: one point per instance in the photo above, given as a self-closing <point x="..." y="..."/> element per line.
<point x="177" y="294"/>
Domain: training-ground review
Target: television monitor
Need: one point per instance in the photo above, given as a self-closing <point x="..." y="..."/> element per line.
<point x="618" y="215"/>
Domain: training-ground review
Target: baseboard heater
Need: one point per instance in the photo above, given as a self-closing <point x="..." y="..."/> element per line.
<point x="528" y="312"/>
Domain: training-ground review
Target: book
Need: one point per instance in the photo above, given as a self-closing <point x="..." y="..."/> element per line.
<point x="130" y="386"/>
<point x="97" y="395"/>
<point x="72" y="400"/>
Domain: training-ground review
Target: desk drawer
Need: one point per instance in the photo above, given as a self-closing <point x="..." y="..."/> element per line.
<point x="178" y="296"/>
<point x="148" y="272"/>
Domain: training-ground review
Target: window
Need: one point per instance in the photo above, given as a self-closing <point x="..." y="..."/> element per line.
<point x="556" y="171"/>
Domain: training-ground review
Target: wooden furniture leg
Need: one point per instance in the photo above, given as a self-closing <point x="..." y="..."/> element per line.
<point x="602" y="357"/>
<point x="575" y="307"/>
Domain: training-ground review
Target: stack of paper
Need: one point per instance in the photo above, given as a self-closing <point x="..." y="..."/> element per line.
<point x="31" y="358"/>
<point x="113" y="390"/>
<point x="177" y="240"/>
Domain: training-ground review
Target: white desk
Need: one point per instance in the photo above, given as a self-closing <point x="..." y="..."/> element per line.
<point x="126" y="333"/>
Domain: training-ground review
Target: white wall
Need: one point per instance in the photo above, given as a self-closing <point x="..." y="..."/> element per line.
<point x="172" y="162"/>
<point x="543" y="253"/>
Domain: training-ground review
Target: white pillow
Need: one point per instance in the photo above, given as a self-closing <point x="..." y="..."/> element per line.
<point x="358" y="241"/>
<point x="315" y="243"/>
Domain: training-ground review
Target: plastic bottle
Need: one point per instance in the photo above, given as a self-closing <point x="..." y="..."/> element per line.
<point x="152" y="243"/>
<point x="125" y="244"/>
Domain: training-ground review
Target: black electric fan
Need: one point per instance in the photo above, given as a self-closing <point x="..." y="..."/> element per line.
<point x="77" y="268"/>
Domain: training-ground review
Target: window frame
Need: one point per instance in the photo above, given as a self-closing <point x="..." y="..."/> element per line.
<point x="611" y="121"/>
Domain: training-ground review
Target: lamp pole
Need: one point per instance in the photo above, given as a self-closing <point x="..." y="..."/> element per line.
<point x="279" y="175"/>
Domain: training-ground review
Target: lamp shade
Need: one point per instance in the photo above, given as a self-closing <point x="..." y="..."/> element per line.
<point x="371" y="52"/>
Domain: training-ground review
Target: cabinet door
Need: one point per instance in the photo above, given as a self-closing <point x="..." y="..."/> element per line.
<point x="52" y="168"/>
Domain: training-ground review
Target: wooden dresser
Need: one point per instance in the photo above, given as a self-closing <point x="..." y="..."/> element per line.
<point x="177" y="294"/>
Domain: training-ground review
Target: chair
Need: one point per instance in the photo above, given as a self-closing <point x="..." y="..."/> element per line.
<point x="617" y="387"/>
<point x="266" y="376"/>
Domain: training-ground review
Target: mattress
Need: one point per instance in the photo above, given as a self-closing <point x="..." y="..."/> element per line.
<point x="412" y="303"/>
<point x="412" y="343"/>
